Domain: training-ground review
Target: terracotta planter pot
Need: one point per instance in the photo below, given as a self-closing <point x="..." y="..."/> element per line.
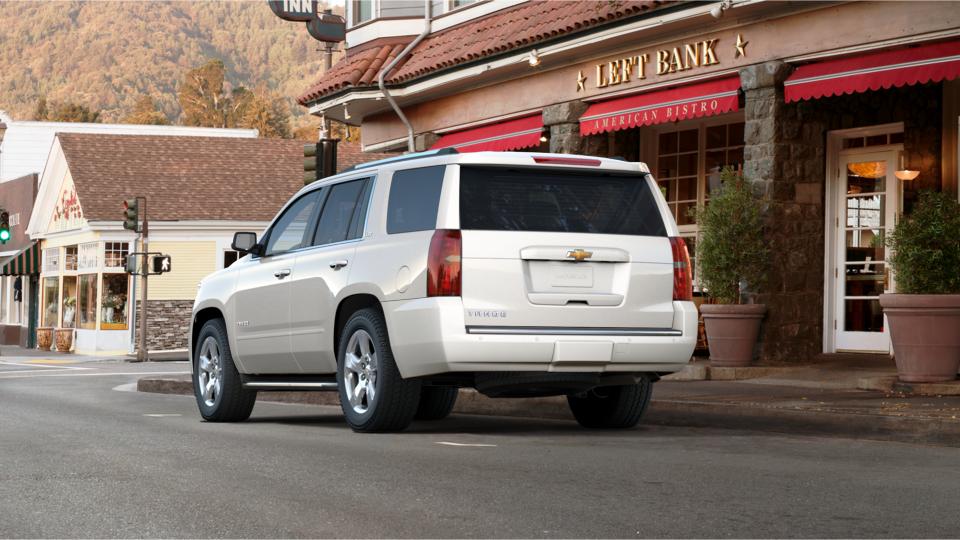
<point x="925" y="331"/>
<point x="732" y="330"/>
<point x="44" y="338"/>
<point x="64" y="339"/>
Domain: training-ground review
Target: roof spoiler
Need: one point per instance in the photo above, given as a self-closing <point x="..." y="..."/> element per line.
<point x="404" y="157"/>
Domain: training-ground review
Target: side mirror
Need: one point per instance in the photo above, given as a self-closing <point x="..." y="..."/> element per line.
<point x="245" y="242"/>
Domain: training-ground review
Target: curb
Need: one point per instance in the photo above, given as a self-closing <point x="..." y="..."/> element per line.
<point x="893" y="384"/>
<point x="669" y="412"/>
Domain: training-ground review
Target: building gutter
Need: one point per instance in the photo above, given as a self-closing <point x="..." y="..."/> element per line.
<point x="393" y="63"/>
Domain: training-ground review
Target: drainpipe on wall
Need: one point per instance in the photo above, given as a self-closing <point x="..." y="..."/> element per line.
<point x="386" y="69"/>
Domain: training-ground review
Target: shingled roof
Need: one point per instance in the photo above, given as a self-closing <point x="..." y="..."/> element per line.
<point x="183" y="178"/>
<point x="522" y="26"/>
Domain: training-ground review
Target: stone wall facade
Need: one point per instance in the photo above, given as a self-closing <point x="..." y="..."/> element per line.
<point x="785" y="159"/>
<point x="168" y="324"/>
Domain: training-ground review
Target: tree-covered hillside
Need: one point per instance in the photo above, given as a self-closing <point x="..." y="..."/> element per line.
<point x="108" y="55"/>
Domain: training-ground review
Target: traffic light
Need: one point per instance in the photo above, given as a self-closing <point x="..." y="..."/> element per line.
<point x="311" y="157"/>
<point x="131" y="214"/>
<point x="319" y="160"/>
<point x="4" y="227"/>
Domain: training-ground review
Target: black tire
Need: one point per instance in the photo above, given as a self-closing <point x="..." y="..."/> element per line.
<point x="611" y="407"/>
<point x="436" y="402"/>
<point x="395" y="399"/>
<point x="232" y="403"/>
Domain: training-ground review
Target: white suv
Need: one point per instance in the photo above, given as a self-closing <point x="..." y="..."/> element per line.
<point x="400" y="281"/>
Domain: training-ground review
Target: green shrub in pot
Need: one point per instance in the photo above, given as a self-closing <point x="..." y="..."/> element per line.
<point x="731" y="250"/>
<point x="924" y="314"/>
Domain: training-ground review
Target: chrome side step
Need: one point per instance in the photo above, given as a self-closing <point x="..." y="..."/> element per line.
<point x="290" y="384"/>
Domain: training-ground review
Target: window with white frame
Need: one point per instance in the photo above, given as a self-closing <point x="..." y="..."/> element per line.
<point x="361" y="11"/>
<point x="70" y="258"/>
<point x="115" y="254"/>
<point x="51" y="260"/>
<point x="89" y="256"/>
<point x="689" y="157"/>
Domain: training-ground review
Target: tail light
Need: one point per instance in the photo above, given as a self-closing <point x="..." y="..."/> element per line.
<point x="443" y="263"/>
<point x="682" y="280"/>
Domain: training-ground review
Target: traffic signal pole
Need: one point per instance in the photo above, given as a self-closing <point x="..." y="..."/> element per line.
<point x="142" y="355"/>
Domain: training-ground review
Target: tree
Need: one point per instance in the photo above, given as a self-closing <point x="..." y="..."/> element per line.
<point x="64" y="112"/>
<point x="265" y="111"/>
<point x="202" y="97"/>
<point x="145" y="112"/>
<point x="40" y="113"/>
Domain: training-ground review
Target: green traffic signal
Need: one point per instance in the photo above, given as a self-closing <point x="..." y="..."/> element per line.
<point x="4" y="227"/>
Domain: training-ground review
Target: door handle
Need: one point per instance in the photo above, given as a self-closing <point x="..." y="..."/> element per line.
<point x="336" y="265"/>
<point x="282" y="273"/>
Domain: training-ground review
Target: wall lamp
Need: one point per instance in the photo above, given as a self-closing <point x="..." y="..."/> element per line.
<point x="718" y="10"/>
<point x="903" y="173"/>
<point x="534" y="58"/>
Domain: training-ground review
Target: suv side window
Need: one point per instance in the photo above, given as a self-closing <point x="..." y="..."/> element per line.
<point x="290" y="230"/>
<point x="414" y="198"/>
<point x="337" y="218"/>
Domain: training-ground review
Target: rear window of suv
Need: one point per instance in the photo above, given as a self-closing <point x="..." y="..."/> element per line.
<point x="414" y="198"/>
<point x="503" y="199"/>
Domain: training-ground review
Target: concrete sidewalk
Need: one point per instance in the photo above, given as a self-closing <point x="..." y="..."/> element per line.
<point x="817" y="399"/>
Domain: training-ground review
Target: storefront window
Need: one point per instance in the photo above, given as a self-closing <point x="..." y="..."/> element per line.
<point x="70" y="258"/>
<point x="51" y="301"/>
<point x="87" y="301"/>
<point x="689" y="160"/>
<point x="115" y="254"/>
<point x="89" y="256"/>
<point x="51" y="260"/>
<point x="69" y="301"/>
<point x="114" y="302"/>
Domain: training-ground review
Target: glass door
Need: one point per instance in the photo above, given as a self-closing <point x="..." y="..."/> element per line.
<point x="867" y="202"/>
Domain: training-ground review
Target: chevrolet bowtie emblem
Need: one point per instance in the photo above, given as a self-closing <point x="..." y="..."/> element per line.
<point x="579" y="255"/>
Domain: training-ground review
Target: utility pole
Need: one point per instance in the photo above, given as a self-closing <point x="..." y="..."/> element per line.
<point x="142" y="355"/>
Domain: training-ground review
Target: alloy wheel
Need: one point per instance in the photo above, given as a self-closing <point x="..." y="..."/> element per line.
<point x="360" y="371"/>
<point x="210" y="371"/>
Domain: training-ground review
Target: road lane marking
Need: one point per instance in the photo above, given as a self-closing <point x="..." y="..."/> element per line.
<point x="446" y="443"/>
<point x="33" y="366"/>
<point x="49" y="361"/>
<point x="48" y="374"/>
<point x="162" y="415"/>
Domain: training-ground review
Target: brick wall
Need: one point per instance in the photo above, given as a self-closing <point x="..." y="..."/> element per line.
<point x="168" y="324"/>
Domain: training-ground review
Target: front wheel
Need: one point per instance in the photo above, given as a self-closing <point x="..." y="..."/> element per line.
<point x="373" y="395"/>
<point x="220" y="394"/>
<point x="611" y="407"/>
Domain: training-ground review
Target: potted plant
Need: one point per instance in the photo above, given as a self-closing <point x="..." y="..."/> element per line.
<point x="731" y="254"/>
<point x="924" y="314"/>
<point x="64" y="339"/>
<point x="44" y="338"/>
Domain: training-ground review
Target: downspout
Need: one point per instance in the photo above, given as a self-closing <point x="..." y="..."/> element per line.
<point x="383" y="73"/>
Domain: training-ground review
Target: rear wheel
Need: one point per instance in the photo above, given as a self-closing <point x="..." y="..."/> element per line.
<point x="436" y="402"/>
<point x="373" y="395"/>
<point x="611" y="407"/>
<point x="220" y="394"/>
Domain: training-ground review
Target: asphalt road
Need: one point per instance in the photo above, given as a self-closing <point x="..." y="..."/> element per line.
<point x="80" y="457"/>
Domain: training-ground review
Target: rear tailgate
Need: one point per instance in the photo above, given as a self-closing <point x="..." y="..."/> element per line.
<point x="560" y="248"/>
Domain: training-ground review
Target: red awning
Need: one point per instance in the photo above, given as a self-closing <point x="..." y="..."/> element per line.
<point x="691" y="101"/>
<point x="509" y="135"/>
<point x="873" y="71"/>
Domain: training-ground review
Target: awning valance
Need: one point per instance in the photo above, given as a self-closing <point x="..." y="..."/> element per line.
<point x="26" y="262"/>
<point x="691" y="101"/>
<point x="508" y="135"/>
<point x="926" y="63"/>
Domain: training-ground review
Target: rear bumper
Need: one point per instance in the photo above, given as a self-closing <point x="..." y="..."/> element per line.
<point x="429" y="336"/>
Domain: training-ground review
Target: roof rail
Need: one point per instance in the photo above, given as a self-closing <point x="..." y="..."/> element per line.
<point x="404" y="157"/>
